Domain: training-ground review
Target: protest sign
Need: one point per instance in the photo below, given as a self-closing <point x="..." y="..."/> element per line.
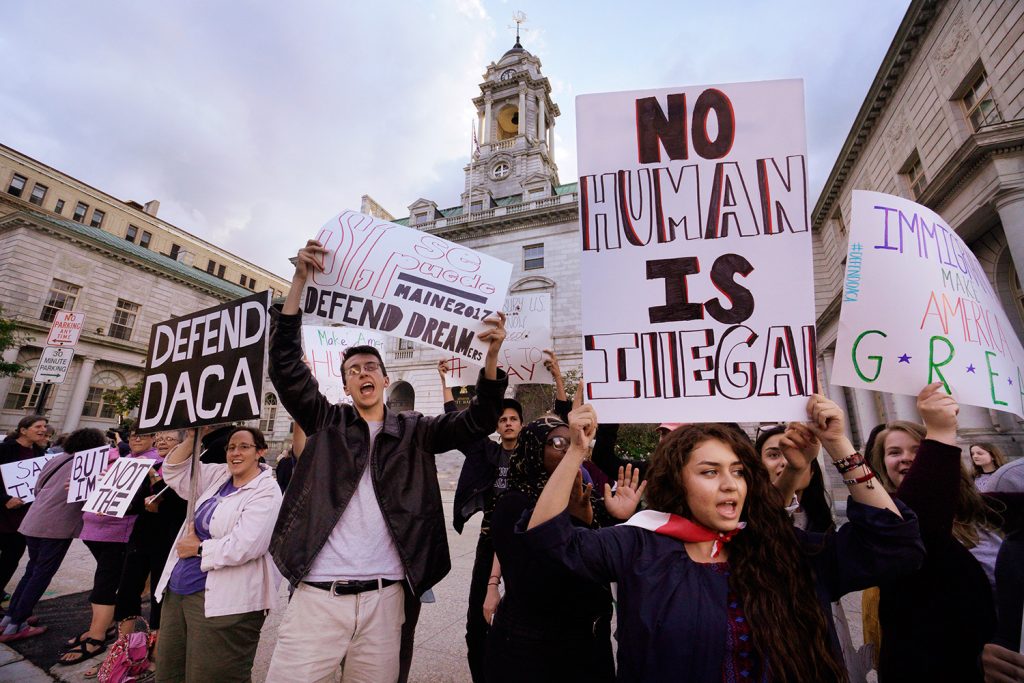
<point x="86" y="468"/>
<point x="206" y="367"/>
<point x="696" y="268"/>
<point x="406" y="283"/>
<point x="918" y="308"/>
<point x="324" y="349"/>
<point x="528" y="333"/>
<point x="20" y="476"/>
<point x="113" y="495"/>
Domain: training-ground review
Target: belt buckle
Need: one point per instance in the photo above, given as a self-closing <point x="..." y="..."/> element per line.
<point x="339" y="582"/>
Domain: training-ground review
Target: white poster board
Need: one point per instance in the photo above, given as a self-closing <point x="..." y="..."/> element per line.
<point x="86" y="467"/>
<point x="324" y="349"/>
<point x="697" y="273"/>
<point x="918" y="308"/>
<point x="113" y="496"/>
<point x="405" y="283"/>
<point x="20" y="476"/>
<point x="528" y="334"/>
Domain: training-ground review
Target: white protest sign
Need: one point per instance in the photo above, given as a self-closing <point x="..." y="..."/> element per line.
<point x="20" y="476"/>
<point x="406" y="283"/>
<point x="113" y="496"/>
<point x="918" y="308"/>
<point x="697" y="277"/>
<point x="528" y="333"/>
<point x="86" y="468"/>
<point x="324" y="350"/>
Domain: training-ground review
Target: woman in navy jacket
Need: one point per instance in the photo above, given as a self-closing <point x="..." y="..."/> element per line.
<point x="714" y="583"/>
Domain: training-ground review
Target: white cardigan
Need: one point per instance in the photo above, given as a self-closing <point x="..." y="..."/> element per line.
<point x="241" y="576"/>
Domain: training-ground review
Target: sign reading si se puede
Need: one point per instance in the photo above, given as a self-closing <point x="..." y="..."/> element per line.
<point x="53" y="365"/>
<point x="698" y="289"/>
<point x="206" y="367"/>
<point x="66" y="328"/>
<point x="113" y="496"/>
<point x="406" y="283"/>
<point x="918" y="308"/>
<point x="324" y="349"/>
<point x="528" y="333"/>
<point x="20" y="476"/>
<point x="86" y="468"/>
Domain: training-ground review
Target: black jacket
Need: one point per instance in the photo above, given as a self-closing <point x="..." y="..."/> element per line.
<point x="403" y="471"/>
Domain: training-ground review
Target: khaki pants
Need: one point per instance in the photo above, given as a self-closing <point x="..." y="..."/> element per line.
<point x="319" y="630"/>
<point x="194" y="648"/>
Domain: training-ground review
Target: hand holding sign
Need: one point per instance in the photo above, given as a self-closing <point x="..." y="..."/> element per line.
<point x="494" y="336"/>
<point x="938" y="412"/>
<point x="13" y="503"/>
<point x="309" y="257"/>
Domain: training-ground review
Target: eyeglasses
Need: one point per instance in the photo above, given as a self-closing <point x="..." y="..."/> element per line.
<point x="356" y="370"/>
<point x="559" y="443"/>
<point x="241" y="447"/>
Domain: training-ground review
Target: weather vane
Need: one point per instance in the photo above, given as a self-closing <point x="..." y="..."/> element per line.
<point x="519" y="18"/>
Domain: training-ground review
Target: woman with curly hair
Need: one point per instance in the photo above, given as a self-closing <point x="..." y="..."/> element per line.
<point x="714" y="581"/>
<point x="551" y="625"/>
<point x="986" y="458"/>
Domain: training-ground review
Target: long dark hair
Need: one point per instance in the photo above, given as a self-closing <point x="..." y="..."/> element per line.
<point x="814" y="500"/>
<point x="768" y="571"/>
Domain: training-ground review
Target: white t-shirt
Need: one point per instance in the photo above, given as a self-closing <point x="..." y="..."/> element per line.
<point x="360" y="546"/>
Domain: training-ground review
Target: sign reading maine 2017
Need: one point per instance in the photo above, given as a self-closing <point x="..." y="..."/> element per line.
<point x="698" y="289"/>
<point x="919" y="308"/>
<point x="406" y="283"/>
<point x="206" y="367"/>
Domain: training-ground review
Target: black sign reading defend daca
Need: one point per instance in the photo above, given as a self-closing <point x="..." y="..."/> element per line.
<point x="206" y="367"/>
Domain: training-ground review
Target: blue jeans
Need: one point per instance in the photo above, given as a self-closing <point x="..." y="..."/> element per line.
<point x="44" y="558"/>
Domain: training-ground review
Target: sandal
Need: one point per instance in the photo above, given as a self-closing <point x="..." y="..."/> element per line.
<point x="27" y="632"/>
<point x="83" y="651"/>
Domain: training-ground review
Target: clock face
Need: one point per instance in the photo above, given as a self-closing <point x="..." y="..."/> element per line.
<point x="507" y="74"/>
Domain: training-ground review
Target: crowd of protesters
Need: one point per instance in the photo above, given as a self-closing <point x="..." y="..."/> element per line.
<point x="716" y="558"/>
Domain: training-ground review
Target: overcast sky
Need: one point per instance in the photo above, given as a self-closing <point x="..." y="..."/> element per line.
<point x="254" y="122"/>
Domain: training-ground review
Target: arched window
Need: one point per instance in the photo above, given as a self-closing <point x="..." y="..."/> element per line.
<point x="24" y="391"/>
<point x="96" y="404"/>
<point x="268" y="414"/>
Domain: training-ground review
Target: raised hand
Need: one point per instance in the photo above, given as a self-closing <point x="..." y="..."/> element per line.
<point x="309" y="257"/>
<point x="799" y="446"/>
<point x="938" y="412"/>
<point x="495" y="335"/>
<point x="551" y="363"/>
<point x="827" y="420"/>
<point x="582" y="426"/>
<point x="442" y="369"/>
<point x="622" y="503"/>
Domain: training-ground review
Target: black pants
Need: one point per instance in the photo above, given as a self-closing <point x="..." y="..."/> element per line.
<point x="549" y="652"/>
<point x="109" y="564"/>
<point x="12" y="547"/>
<point x="476" y="626"/>
<point x="142" y="560"/>
<point x="44" y="558"/>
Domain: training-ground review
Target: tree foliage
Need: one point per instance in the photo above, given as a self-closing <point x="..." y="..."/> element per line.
<point x="8" y="339"/>
<point x="124" y="399"/>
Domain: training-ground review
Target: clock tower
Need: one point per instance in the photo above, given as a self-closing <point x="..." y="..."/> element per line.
<point x="515" y="132"/>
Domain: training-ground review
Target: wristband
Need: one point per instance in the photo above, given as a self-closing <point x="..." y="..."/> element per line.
<point x="866" y="477"/>
<point x="848" y="463"/>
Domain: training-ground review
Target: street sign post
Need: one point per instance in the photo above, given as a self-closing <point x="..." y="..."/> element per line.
<point x="54" y="365"/>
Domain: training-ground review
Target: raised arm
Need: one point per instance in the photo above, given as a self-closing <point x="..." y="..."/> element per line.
<point x="827" y="423"/>
<point x="442" y="370"/>
<point x="799" y="447"/>
<point x="555" y="496"/>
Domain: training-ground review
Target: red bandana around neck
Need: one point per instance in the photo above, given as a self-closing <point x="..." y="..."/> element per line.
<point x="667" y="524"/>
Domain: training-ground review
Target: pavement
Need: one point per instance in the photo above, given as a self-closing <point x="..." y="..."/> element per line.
<point x="440" y="652"/>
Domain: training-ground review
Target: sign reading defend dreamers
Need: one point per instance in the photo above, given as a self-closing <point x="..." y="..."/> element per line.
<point x="918" y="308"/>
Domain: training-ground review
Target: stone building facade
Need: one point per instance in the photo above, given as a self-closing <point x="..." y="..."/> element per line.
<point x="943" y="125"/>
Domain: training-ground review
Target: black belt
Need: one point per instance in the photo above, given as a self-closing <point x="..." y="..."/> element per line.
<point x="345" y="587"/>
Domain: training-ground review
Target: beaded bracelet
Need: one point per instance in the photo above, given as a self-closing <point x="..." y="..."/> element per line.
<point x="848" y="463"/>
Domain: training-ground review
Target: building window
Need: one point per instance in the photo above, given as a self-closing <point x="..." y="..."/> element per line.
<point x="476" y="206"/>
<point x="421" y="218"/>
<point x="268" y="414"/>
<point x="17" y="185"/>
<point x="220" y="271"/>
<point x="175" y="250"/>
<point x="405" y="349"/>
<point x="145" y="239"/>
<point x="124" y="320"/>
<point x="915" y="175"/>
<point x="533" y="257"/>
<point x="501" y="170"/>
<point x="59" y="207"/>
<point x="242" y="280"/>
<point x="210" y="266"/>
<point x="62" y="297"/>
<point x="80" y="210"/>
<point x="38" y="192"/>
<point x="252" y="283"/>
<point x="24" y="392"/>
<point x="96" y="403"/>
<point x="132" y="233"/>
<point x="979" y="105"/>
<point x="97" y="218"/>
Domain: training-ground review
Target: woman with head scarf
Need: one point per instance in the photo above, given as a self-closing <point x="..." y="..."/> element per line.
<point x="550" y="625"/>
